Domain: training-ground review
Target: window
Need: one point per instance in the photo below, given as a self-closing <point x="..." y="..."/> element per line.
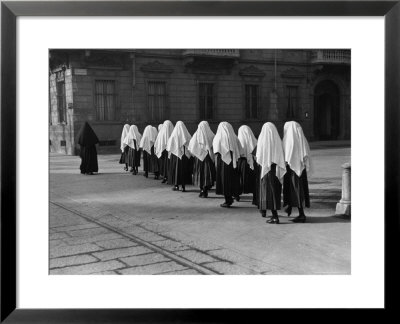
<point x="206" y="100"/>
<point x="292" y="98"/>
<point x="251" y="100"/>
<point x="105" y="99"/>
<point x="157" y="99"/>
<point x="61" y="101"/>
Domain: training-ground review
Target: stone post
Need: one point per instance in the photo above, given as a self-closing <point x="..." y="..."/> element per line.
<point x="343" y="207"/>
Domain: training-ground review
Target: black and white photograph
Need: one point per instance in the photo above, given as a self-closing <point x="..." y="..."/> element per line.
<point x="199" y="161"/>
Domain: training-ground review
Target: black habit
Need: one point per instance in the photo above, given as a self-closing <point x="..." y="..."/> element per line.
<point x="150" y="161"/>
<point x="247" y="176"/>
<point x="87" y="140"/>
<point x="204" y="172"/>
<point x="124" y="156"/>
<point x="163" y="162"/>
<point x="227" y="179"/>
<point x="180" y="170"/>
<point x="133" y="156"/>
<point x="295" y="189"/>
<point x="269" y="189"/>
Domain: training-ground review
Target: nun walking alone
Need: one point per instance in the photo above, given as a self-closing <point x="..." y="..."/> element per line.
<point x="227" y="150"/>
<point x="160" y="148"/>
<point x="87" y="139"/>
<point x="200" y="146"/>
<point x="180" y="172"/>
<point x="246" y="162"/>
<point x="132" y="140"/>
<point x="124" y="147"/>
<point x="298" y="164"/>
<point x="150" y="161"/>
<point x="271" y="169"/>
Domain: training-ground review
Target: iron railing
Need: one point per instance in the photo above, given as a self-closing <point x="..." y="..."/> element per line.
<point x="229" y="53"/>
<point x="331" y="56"/>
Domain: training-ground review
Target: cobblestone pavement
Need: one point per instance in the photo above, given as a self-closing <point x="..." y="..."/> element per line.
<point x="80" y="244"/>
<point x="116" y="223"/>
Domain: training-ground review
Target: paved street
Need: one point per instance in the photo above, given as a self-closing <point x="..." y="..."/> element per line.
<point x="117" y="223"/>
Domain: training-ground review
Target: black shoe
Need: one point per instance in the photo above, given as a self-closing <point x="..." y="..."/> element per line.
<point x="146" y="174"/>
<point x="263" y="214"/>
<point x="299" y="219"/>
<point x="273" y="220"/>
<point x="226" y="205"/>
<point x="201" y="195"/>
<point x="176" y="188"/>
<point x="89" y="173"/>
<point x="237" y="198"/>
<point x="183" y="189"/>
<point x="156" y="178"/>
<point x="288" y="210"/>
<point x="205" y="194"/>
<point x="164" y="180"/>
<point x="126" y="168"/>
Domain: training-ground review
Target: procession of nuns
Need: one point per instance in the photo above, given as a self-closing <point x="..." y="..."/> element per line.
<point x="235" y="164"/>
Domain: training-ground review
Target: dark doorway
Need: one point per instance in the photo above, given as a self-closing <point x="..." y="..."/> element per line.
<point x="326" y="111"/>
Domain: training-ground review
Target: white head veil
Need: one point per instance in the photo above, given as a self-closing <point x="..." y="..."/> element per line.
<point x="179" y="138"/>
<point x="248" y="142"/>
<point x="201" y="143"/>
<point x="269" y="150"/>
<point x="159" y="127"/>
<point x="296" y="148"/>
<point x="162" y="139"/>
<point x="133" y="134"/>
<point x="125" y="131"/>
<point x="148" y="138"/>
<point x="226" y="141"/>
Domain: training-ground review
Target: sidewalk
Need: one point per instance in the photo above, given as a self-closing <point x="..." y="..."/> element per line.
<point x="136" y="225"/>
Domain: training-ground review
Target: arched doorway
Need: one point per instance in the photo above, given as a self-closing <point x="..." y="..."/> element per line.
<point x="326" y="111"/>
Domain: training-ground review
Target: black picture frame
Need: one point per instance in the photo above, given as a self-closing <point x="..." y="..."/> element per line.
<point x="10" y="10"/>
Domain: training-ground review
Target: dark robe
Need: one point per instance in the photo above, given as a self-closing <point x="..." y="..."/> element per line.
<point x="133" y="156"/>
<point x="227" y="179"/>
<point x="150" y="161"/>
<point x="163" y="162"/>
<point x="204" y="172"/>
<point x="295" y="189"/>
<point x="180" y="170"/>
<point x="87" y="140"/>
<point x="269" y="189"/>
<point x="124" y="156"/>
<point x="247" y="176"/>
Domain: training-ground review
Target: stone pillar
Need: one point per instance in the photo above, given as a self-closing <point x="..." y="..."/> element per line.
<point x="343" y="207"/>
<point x="273" y="107"/>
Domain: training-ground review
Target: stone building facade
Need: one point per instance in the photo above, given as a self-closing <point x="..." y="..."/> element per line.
<point x="109" y="88"/>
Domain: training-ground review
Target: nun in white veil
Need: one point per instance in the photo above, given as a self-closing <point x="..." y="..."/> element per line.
<point x="298" y="165"/>
<point x="180" y="172"/>
<point x="227" y="150"/>
<point x="124" y="148"/>
<point x="132" y="140"/>
<point x="271" y="169"/>
<point x="160" y="148"/>
<point x="200" y="146"/>
<point x="150" y="160"/>
<point x="246" y="162"/>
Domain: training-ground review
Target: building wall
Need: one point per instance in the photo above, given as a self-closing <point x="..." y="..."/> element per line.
<point x="132" y="70"/>
<point x="61" y="134"/>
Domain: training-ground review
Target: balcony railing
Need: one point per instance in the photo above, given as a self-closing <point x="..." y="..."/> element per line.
<point x="228" y="53"/>
<point x="331" y="57"/>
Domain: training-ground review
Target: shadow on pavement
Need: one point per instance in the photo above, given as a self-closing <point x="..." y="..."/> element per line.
<point x="317" y="220"/>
